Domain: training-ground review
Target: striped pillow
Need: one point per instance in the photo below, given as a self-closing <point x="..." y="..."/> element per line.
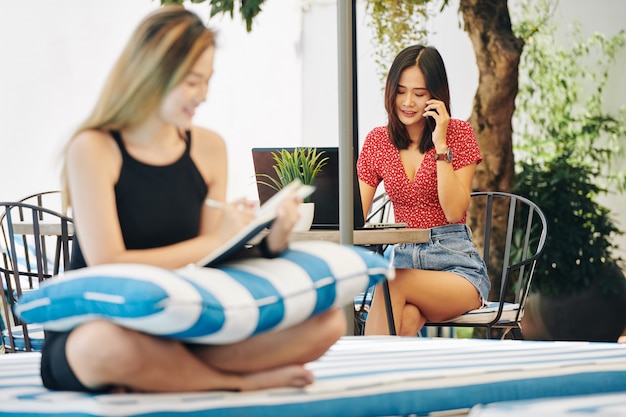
<point x="225" y="304"/>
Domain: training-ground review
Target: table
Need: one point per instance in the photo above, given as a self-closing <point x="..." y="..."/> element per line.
<point x="46" y="229"/>
<point x="361" y="237"/>
<point x="368" y="237"/>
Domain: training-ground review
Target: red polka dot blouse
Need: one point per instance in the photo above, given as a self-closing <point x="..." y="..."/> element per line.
<point x="415" y="202"/>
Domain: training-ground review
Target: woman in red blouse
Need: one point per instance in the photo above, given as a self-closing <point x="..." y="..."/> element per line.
<point x="426" y="161"/>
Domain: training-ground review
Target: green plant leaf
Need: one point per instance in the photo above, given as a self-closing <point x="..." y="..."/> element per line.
<point x="303" y="164"/>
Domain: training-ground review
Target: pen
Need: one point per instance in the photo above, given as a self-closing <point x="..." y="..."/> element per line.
<point x="224" y="206"/>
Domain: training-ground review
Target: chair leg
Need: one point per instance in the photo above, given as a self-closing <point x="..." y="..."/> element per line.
<point x="390" y="322"/>
<point x="515" y="332"/>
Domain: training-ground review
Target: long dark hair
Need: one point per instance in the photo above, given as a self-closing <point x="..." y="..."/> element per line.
<point x="429" y="61"/>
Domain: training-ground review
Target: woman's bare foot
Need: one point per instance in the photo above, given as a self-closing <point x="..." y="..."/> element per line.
<point x="285" y="376"/>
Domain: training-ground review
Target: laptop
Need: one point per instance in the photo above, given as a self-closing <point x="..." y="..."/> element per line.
<point x="326" y="195"/>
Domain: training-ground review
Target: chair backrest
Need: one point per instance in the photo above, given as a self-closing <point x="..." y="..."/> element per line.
<point x="36" y="245"/>
<point x="514" y="233"/>
<point x="51" y="199"/>
<point x="381" y="210"/>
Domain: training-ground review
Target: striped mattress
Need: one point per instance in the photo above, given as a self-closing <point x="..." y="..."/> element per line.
<point x="359" y="377"/>
<point x="593" y="405"/>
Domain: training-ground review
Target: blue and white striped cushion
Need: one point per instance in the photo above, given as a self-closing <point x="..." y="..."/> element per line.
<point x="209" y="305"/>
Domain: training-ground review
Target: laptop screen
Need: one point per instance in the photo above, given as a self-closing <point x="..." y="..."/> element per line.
<point x="326" y="195"/>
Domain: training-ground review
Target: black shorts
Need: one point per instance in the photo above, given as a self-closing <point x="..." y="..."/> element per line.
<point x="56" y="373"/>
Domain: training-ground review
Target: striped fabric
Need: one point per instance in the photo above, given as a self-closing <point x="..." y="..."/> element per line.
<point x="487" y="313"/>
<point x="25" y="282"/>
<point x="35" y="335"/>
<point x="22" y="252"/>
<point x="359" y="377"/>
<point x="209" y="305"/>
<point x="35" y="332"/>
<point x="598" y="405"/>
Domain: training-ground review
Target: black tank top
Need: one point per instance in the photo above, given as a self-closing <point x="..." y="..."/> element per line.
<point x="156" y="205"/>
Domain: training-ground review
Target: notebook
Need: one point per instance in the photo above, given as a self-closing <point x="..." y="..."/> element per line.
<point x="326" y="195"/>
<point x="252" y="232"/>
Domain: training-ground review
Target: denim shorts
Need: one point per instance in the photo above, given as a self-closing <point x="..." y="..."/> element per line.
<point x="450" y="248"/>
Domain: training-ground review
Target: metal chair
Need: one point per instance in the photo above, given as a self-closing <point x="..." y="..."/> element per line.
<point x="522" y="228"/>
<point x="381" y="210"/>
<point x="36" y="245"/>
<point x="51" y="199"/>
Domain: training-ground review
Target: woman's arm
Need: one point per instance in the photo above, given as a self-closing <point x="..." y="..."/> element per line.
<point x="367" y="196"/>
<point x="453" y="187"/>
<point x="213" y="154"/>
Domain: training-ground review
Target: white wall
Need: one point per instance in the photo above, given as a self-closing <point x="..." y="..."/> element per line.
<point x="56" y="55"/>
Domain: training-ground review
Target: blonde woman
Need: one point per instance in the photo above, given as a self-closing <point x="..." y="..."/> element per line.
<point x="136" y="175"/>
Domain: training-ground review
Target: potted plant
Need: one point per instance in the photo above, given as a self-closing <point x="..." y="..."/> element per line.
<point x="302" y="164"/>
<point x="565" y="145"/>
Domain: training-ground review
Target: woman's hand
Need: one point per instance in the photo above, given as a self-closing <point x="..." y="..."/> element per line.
<point x="236" y="216"/>
<point x="287" y="215"/>
<point x="437" y="110"/>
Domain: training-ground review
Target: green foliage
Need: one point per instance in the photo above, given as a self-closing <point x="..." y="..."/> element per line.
<point x="249" y="9"/>
<point x="564" y="144"/>
<point x="559" y="103"/>
<point x="396" y="25"/>
<point x="303" y="164"/>
<point x="578" y="244"/>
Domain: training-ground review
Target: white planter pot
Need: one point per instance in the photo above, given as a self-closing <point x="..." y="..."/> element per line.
<point x="306" y="217"/>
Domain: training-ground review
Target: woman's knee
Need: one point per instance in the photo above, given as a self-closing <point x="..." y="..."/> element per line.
<point x="95" y="338"/>
<point x="326" y="329"/>
<point x="412" y="320"/>
<point x="410" y="313"/>
<point x="333" y="324"/>
<point x="95" y="348"/>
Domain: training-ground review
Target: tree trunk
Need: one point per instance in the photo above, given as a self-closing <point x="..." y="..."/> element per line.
<point x="497" y="52"/>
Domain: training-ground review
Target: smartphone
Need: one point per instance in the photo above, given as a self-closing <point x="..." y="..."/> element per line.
<point x="432" y="123"/>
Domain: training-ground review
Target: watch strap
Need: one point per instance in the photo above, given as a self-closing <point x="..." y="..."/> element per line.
<point x="446" y="156"/>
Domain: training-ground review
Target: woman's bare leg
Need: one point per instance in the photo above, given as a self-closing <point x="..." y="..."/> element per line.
<point x="299" y="344"/>
<point x="101" y="354"/>
<point x="412" y="321"/>
<point x="376" y="323"/>
<point x="437" y="295"/>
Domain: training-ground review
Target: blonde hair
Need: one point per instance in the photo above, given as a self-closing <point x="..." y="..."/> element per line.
<point x="160" y="52"/>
